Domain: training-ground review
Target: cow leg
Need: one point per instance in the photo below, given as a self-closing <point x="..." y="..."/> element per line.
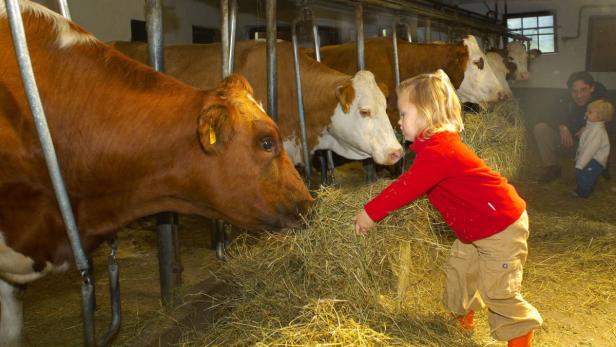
<point x="11" y="315"/>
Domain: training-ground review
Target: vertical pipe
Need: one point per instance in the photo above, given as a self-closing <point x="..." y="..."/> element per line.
<point x="224" y="37"/>
<point x="300" y="103"/>
<point x="166" y="222"/>
<point x="394" y="44"/>
<point x="232" y="30"/>
<point x="272" y="77"/>
<point x="359" y="26"/>
<point x="428" y="31"/>
<point x="63" y="7"/>
<point x="412" y="30"/>
<point x="316" y="41"/>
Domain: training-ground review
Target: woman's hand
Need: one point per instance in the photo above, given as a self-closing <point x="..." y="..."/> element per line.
<point x="566" y="139"/>
<point x="363" y="223"/>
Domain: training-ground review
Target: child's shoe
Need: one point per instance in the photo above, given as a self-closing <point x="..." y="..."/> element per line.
<point x="467" y="322"/>
<point x="521" y="341"/>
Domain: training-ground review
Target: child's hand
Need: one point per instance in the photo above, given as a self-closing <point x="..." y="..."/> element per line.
<point x="363" y="223"/>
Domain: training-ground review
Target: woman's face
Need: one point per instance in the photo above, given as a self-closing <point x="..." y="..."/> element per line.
<point x="409" y="122"/>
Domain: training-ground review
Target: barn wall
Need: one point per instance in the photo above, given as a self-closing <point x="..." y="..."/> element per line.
<point x="552" y="70"/>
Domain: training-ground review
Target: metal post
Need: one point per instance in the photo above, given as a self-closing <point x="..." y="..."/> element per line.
<point x="232" y="25"/>
<point x="300" y="102"/>
<point x="114" y="293"/>
<point x="428" y="31"/>
<point x="167" y="222"/>
<point x="412" y="29"/>
<point x="394" y="44"/>
<point x="359" y="27"/>
<point x="325" y="157"/>
<point x="63" y="7"/>
<point x="272" y="77"/>
<point x="367" y="164"/>
<point x="224" y="37"/>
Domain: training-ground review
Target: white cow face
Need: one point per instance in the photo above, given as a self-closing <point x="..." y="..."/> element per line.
<point x="495" y="60"/>
<point x="360" y="127"/>
<point x="516" y="53"/>
<point x="480" y="84"/>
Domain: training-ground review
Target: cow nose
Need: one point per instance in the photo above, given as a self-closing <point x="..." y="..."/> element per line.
<point x="303" y="206"/>
<point x="524" y="76"/>
<point x="394" y="156"/>
<point x="503" y="95"/>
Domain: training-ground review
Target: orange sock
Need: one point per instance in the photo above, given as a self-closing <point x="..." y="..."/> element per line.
<point x="467" y="322"/>
<point x="521" y="341"/>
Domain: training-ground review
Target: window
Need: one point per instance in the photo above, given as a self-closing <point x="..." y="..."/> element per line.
<point x="540" y="27"/>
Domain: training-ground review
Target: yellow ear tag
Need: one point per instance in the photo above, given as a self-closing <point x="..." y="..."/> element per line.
<point x="212" y="136"/>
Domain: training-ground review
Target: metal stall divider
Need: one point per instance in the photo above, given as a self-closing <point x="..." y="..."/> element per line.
<point x="367" y="164"/>
<point x="304" y="17"/>
<point x="272" y="69"/>
<point x="36" y="107"/>
<point x="325" y="157"/>
<point x="228" y="14"/>
<point x="167" y="223"/>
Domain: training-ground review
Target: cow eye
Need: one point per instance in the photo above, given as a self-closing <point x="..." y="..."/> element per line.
<point x="267" y="143"/>
<point x="364" y="113"/>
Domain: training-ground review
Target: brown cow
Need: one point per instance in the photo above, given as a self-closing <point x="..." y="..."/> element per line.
<point x="131" y="142"/>
<point x="344" y="113"/>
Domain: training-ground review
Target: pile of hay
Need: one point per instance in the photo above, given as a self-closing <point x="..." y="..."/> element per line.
<point x="498" y="137"/>
<point x="325" y="285"/>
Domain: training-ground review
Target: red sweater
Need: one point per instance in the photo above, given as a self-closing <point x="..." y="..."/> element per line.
<point x="474" y="201"/>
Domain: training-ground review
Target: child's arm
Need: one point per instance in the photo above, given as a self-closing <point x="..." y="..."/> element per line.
<point x="425" y="173"/>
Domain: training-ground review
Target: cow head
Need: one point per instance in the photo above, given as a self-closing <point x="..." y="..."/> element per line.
<point x="517" y="54"/>
<point x="480" y="84"/>
<point x="254" y="183"/>
<point x="360" y="127"/>
<point x="500" y="69"/>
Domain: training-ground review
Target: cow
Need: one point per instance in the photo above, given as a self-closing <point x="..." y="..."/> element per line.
<point x="516" y="58"/>
<point x="463" y="62"/>
<point x="501" y="69"/>
<point x="131" y="142"/>
<point x="344" y="113"/>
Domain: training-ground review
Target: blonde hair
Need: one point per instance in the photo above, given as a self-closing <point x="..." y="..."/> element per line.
<point x="436" y="101"/>
<point x="604" y="109"/>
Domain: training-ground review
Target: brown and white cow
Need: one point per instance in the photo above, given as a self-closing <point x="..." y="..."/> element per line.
<point x="515" y="58"/>
<point x="501" y="70"/>
<point x="344" y="113"/>
<point x="463" y="62"/>
<point x="131" y="142"/>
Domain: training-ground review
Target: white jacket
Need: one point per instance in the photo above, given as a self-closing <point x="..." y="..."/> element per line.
<point x="594" y="144"/>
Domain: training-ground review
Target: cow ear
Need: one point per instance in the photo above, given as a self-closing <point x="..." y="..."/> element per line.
<point x="479" y="63"/>
<point x="345" y="94"/>
<point x="237" y="81"/>
<point x="384" y="88"/>
<point x="215" y="128"/>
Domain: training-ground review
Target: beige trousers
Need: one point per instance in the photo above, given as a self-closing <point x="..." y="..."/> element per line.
<point x="489" y="271"/>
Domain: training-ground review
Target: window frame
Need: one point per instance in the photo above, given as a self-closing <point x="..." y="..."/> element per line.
<point x="536" y="14"/>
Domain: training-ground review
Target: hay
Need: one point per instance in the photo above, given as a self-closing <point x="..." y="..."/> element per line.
<point x="326" y="286"/>
<point x="498" y="137"/>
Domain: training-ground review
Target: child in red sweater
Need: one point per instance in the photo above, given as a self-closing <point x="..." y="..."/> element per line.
<point x="483" y="210"/>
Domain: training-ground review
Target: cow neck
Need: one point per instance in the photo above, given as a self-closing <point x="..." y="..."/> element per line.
<point x="319" y="84"/>
<point x="117" y="133"/>
<point x="426" y="58"/>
